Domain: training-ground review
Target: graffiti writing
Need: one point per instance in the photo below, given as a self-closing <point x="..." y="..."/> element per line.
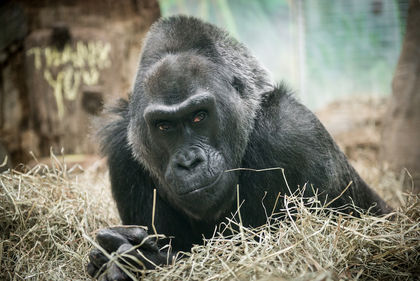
<point x="73" y="66"/>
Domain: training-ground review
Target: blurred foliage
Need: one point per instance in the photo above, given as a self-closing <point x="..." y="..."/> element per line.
<point x="333" y="48"/>
<point x="353" y="44"/>
<point x="264" y="26"/>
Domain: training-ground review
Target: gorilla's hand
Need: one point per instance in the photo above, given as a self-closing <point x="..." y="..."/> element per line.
<point x="139" y="249"/>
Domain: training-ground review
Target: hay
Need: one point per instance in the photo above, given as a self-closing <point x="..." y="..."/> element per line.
<point x="43" y="215"/>
<point x="315" y="245"/>
<point x="47" y="213"/>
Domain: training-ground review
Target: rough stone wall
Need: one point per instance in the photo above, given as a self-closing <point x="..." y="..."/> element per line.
<point x="60" y="61"/>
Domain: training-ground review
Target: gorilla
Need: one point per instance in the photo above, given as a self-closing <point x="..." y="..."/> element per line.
<point x="201" y="107"/>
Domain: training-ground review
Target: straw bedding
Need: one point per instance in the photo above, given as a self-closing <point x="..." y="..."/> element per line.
<point x="48" y="218"/>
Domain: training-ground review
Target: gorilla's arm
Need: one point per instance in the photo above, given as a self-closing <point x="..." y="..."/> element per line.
<point x="288" y="135"/>
<point x="132" y="186"/>
<point x="132" y="189"/>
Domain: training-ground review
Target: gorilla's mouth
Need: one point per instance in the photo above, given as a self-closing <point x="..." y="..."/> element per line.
<point x="203" y="187"/>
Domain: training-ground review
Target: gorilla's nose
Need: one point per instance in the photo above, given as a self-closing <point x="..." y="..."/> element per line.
<point x="189" y="164"/>
<point x="188" y="161"/>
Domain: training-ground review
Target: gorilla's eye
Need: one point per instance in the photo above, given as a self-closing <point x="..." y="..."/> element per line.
<point x="164" y="126"/>
<point x="200" y="116"/>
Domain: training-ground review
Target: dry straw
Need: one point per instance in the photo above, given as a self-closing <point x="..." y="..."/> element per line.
<point x="48" y="218"/>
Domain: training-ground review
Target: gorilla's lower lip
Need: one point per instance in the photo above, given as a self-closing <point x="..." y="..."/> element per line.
<point x="202" y="187"/>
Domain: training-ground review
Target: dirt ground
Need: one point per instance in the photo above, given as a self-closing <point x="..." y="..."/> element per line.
<point x="356" y="126"/>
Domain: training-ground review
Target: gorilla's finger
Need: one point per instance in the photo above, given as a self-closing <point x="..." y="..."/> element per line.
<point x="110" y="240"/>
<point x="143" y="258"/>
<point x="148" y="243"/>
<point x="97" y="258"/>
<point x="114" y="273"/>
<point x="96" y="272"/>
<point x="91" y="269"/>
<point x="132" y="257"/>
<point x="134" y="234"/>
<point x="103" y="277"/>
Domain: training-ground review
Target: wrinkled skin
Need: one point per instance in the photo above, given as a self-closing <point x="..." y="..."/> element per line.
<point x="202" y="105"/>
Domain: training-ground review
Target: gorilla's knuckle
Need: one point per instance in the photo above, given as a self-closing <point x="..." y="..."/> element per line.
<point x="103" y="234"/>
<point x="91" y="269"/>
<point x="94" y="254"/>
<point x="125" y="248"/>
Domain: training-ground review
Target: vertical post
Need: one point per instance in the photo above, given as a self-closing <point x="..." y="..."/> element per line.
<point x="297" y="14"/>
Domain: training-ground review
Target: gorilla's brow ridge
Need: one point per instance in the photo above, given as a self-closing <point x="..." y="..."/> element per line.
<point x="159" y="111"/>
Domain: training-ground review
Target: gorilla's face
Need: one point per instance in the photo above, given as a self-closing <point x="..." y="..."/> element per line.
<point x="187" y="136"/>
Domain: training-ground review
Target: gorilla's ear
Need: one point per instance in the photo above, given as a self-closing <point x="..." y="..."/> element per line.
<point x="238" y="85"/>
<point x="273" y="98"/>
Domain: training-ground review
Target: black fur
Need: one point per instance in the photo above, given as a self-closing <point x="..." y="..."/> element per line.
<point x="251" y="123"/>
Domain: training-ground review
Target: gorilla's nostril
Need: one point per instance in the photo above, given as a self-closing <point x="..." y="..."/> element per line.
<point x="182" y="166"/>
<point x="195" y="163"/>
<point x="189" y="165"/>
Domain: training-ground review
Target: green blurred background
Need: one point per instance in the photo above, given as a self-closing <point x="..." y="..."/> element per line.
<point x="323" y="49"/>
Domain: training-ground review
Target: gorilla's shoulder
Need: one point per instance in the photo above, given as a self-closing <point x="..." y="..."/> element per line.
<point x="113" y="126"/>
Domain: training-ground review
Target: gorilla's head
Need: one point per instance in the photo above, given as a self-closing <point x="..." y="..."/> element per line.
<point x="191" y="114"/>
